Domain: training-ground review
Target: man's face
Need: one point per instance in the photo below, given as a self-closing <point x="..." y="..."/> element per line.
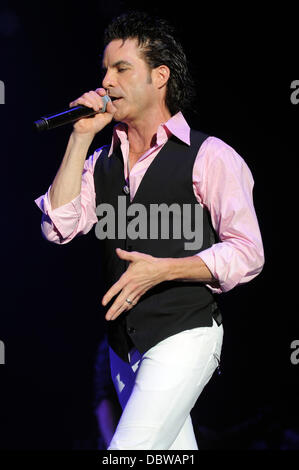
<point x="128" y="78"/>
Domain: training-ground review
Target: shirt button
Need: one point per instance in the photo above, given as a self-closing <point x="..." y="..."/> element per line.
<point x="131" y="330"/>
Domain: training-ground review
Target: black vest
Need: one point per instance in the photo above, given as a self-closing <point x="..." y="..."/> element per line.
<point x="171" y="306"/>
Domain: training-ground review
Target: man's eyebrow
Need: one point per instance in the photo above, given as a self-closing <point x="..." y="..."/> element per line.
<point x="118" y="63"/>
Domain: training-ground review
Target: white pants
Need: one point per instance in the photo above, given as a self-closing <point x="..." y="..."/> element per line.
<point x="158" y="389"/>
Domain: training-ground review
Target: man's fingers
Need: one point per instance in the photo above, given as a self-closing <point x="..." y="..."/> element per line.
<point x="90" y="99"/>
<point x="112" y="292"/>
<point x="101" y="91"/>
<point x="121" y="305"/>
<point x="127" y="255"/>
<point x="121" y="300"/>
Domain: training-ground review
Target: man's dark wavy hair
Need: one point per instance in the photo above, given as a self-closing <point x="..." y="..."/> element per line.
<point x="156" y="40"/>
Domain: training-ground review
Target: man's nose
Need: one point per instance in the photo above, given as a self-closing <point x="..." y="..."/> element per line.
<point x="108" y="80"/>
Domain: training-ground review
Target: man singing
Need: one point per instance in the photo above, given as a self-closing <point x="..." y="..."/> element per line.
<point x="165" y="329"/>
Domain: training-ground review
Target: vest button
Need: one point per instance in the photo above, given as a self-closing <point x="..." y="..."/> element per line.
<point x="126" y="189"/>
<point x="131" y="330"/>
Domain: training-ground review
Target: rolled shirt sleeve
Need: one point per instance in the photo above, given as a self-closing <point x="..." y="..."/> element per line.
<point x="75" y="218"/>
<point x="224" y="184"/>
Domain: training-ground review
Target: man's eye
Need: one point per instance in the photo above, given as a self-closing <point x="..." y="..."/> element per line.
<point x="121" y="70"/>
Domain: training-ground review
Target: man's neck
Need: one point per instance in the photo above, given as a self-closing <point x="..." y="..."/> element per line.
<point x="142" y="132"/>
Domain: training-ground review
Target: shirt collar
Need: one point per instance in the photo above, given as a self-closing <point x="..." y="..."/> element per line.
<point x="176" y="125"/>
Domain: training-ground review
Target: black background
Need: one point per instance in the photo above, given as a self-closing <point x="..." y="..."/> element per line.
<point x="51" y="319"/>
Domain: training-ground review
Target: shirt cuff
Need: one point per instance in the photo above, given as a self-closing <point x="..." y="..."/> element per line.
<point x="64" y="218"/>
<point x="207" y="258"/>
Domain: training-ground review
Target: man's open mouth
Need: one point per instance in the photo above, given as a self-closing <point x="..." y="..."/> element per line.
<point x="115" y="98"/>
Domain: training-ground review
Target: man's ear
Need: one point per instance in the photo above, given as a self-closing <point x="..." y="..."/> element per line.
<point x="161" y="75"/>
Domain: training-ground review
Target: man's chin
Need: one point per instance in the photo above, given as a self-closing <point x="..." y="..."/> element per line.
<point x="119" y="117"/>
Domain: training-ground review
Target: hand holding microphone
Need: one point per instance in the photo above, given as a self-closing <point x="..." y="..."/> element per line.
<point x="94" y="100"/>
<point x="90" y="113"/>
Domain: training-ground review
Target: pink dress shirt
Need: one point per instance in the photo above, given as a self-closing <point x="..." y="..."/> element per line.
<point x="222" y="182"/>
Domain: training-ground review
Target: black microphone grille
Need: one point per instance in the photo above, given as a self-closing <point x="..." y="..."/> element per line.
<point x="41" y="125"/>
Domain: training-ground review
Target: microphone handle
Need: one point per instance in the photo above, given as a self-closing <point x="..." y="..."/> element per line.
<point x="68" y="116"/>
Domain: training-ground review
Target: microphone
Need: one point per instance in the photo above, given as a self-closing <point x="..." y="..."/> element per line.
<point x="68" y="116"/>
